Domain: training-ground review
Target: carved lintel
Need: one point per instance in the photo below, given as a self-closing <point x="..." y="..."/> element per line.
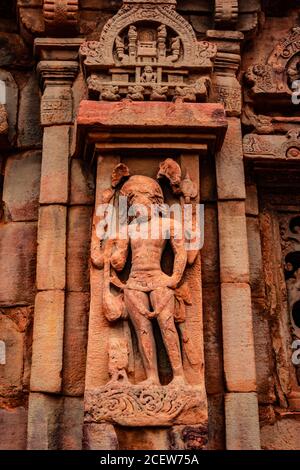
<point x="61" y="17"/>
<point x="273" y="147"/>
<point x="138" y="405"/>
<point x="226" y="11"/>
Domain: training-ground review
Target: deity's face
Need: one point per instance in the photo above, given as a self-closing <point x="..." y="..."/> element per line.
<point x="142" y="193"/>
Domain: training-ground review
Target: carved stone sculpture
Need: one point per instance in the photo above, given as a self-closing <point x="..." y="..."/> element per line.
<point x="148" y="45"/>
<point x="149" y="293"/>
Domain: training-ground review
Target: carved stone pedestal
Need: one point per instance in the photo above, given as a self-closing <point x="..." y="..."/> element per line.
<point x="141" y="405"/>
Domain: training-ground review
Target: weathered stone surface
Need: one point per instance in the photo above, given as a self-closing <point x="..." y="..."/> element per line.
<point x="207" y="117"/>
<point x="21" y="186"/>
<point x="44" y="417"/>
<point x="11" y="372"/>
<point x="251" y="203"/>
<point x="255" y="257"/>
<point x="47" y="351"/>
<point x="55" y="165"/>
<point x="238" y="346"/>
<point x="71" y="425"/>
<point x="234" y="262"/>
<point x="229" y="164"/>
<point x="11" y="98"/>
<point x="51" y="262"/>
<point x="78" y="248"/>
<point x="14" y="51"/>
<point x="216" y="422"/>
<point x="263" y="355"/>
<point x="208" y="191"/>
<point x="212" y="338"/>
<point x="242" y="426"/>
<point x="75" y="342"/>
<point x="283" y="435"/>
<point x="18" y="259"/>
<point x="210" y="252"/>
<point x="82" y="189"/>
<point x="29" y="129"/>
<point x="99" y="437"/>
<point x="13" y="429"/>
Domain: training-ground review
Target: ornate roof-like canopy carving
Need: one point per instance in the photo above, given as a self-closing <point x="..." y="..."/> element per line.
<point x="134" y="13"/>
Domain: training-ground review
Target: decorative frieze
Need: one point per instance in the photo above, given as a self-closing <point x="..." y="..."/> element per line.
<point x="273" y="146"/>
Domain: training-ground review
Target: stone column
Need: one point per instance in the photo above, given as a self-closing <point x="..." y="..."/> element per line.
<point x="241" y="408"/>
<point x="47" y="356"/>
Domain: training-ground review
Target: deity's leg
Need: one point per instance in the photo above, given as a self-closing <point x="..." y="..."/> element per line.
<point x="163" y="303"/>
<point x="136" y="303"/>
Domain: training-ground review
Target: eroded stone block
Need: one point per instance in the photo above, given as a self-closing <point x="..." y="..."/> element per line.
<point x="51" y="261"/>
<point x="18" y="260"/>
<point x="47" y="352"/>
<point x="22" y="186"/>
<point x="238" y="345"/>
<point x="233" y="246"/>
<point x="242" y="425"/>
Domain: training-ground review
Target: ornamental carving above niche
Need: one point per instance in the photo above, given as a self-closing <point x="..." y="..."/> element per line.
<point x="275" y="77"/>
<point x="148" y="51"/>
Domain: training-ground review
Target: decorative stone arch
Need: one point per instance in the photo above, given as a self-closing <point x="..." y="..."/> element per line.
<point x="195" y="53"/>
<point x="161" y="14"/>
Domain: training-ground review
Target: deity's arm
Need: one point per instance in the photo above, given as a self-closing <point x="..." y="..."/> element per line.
<point x="180" y="254"/>
<point x="120" y="253"/>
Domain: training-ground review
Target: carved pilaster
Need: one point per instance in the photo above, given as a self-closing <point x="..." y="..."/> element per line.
<point x="226" y="88"/>
<point x="57" y="70"/>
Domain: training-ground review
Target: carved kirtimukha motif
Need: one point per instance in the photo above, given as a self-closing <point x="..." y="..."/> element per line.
<point x="151" y="46"/>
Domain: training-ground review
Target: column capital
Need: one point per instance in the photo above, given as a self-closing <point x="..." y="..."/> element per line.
<point x="57" y="70"/>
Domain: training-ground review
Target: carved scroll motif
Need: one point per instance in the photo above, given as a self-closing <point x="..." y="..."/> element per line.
<point x="145" y="406"/>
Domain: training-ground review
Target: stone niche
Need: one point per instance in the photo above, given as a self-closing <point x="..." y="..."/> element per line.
<point x="145" y="365"/>
<point x="144" y="129"/>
